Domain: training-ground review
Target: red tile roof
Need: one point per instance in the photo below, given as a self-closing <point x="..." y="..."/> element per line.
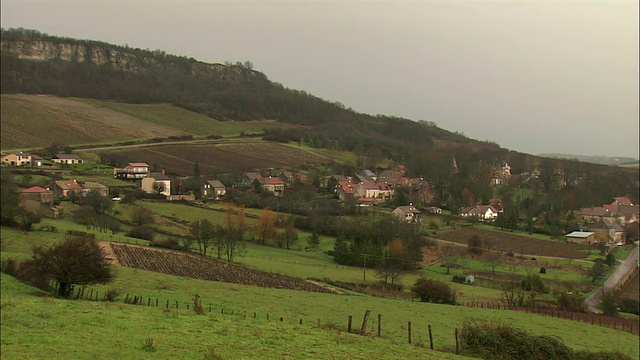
<point x="36" y="189"/>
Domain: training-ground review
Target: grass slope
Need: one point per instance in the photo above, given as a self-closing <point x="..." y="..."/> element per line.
<point x="55" y="119"/>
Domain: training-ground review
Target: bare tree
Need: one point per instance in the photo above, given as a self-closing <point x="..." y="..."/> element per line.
<point x="493" y="260"/>
<point x="141" y="216"/>
<point x="203" y="231"/>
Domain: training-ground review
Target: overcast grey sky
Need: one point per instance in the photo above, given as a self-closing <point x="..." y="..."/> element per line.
<point x="533" y="76"/>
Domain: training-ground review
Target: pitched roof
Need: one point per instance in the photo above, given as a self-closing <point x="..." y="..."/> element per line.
<point x="138" y="164"/>
<point x="157" y="175"/>
<point x="93" y="185"/>
<point x="485" y="208"/>
<point x="271" y="181"/>
<point x="68" y="185"/>
<point x="36" y="189"/>
<point x="215" y="184"/>
<point x="622" y="200"/>
<point x="67" y="156"/>
<point x="594" y="211"/>
<point x="409" y="209"/>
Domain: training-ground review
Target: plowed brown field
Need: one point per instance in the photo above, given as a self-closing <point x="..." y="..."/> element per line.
<point x="206" y="268"/>
<point x="214" y="158"/>
<point x="517" y="244"/>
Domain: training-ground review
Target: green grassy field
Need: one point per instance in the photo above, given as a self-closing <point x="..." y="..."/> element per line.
<point x="185" y="120"/>
<point x="35" y="325"/>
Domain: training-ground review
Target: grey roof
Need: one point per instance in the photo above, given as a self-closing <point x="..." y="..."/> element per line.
<point x="580" y="234"/>
<point x="409" y="209"/>
<point x="159" y="176"/>
<point x="67" y="156"/>
<point x="215" y="184"/>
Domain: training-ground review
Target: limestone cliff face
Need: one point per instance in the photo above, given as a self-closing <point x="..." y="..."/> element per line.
<point x="117" y="58"/>
<point x="42" y="50"/>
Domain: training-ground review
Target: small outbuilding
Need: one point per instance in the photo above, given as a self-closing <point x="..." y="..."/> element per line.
<point x="470" y="279"/>
<point x="581" y="237"/>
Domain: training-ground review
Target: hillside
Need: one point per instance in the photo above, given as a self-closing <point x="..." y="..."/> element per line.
<point x="75" y="121"/>
<point x="34" y="63"/>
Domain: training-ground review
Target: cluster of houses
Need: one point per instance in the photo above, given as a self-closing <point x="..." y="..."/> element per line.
<point x="368" y="188"/>
<point x="34" y="160"/>
<point x="39" y="200"/>
<point x="608" y="220"/>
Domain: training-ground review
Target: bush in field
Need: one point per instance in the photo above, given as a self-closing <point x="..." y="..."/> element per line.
<point x="78" y="260"/>
<point x="502" y="341"/>
<point x="489" y="340"/>
<point x="169" y="243"/>
<point x="434" y="291"/>
<point x="630" y="306"/>
<point x="143" y="232"/>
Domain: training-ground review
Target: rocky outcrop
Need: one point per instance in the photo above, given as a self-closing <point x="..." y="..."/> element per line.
<point x="118" y="58"/>
<point x="43" y="50"/>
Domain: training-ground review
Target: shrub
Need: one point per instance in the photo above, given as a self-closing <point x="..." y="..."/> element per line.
<point x="458" y="279"/>
<point x="170" y="243"/>
<point x="434" y="291"/>
<point x="630" y="306"/>
<point x="502" y="341"/>
<point x="143" y="232"/>
<point x="9" y="266"/>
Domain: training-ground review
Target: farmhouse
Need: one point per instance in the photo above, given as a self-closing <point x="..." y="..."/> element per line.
<point x="92" y="186"/>
<point x="38" y="200"/>
<point x="482" y="212"/>
<point x="65" y="188"/>
<point x="157" y="183"/>
<point x="132" y="171"/>
<point x="19" y="159"/>
<point x="213" y="189"/>
<point x="581" y="237"/>
<point x="68" y="159"/>
<point x="407" y="213"/>
<point x="274" y="185"/>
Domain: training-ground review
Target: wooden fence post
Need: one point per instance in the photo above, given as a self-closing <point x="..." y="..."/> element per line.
<point x="349" y="324"/>
<point x="363" y="329"/>
<point x="167" y="303"/>
<point x="379" y="323"/>
<point x="457" y="348"/>
<point x="409" y="331"/>
<point x="430" y="338"/>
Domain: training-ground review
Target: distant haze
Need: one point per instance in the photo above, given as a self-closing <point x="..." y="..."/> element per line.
<point x="533" y="76"/>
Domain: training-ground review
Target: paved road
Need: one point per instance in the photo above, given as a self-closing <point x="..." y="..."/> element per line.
<point x="614" y="282"/>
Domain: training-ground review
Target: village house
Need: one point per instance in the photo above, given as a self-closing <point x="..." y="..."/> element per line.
<point x="608" y="227"/>
<point x="249" y="177"/>
<point x="92" y="186"/>
<point x="407" y="213"/>
<point x="157" y="183"/>
<point x="67" y="159"/>
<point x="21" y="159"/>
<point x="482" y="212"/>
<point x="274" y="185"/>
<point x="213" y="189"/>
<point x="132" y="171"/>
<point x="38" y="200"/>
<point x="287" y="177"/>
<point x="67" y="188"/>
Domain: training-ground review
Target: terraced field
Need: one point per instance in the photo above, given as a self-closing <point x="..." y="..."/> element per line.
<point x="205" y="268"/>
<point x="630" y="290"/>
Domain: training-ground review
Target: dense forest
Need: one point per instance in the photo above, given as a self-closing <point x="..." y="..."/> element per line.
<point x="238" y="92"/>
